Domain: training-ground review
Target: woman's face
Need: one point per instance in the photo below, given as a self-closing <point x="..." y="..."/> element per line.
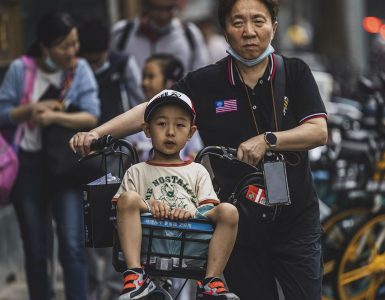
<point x="153" y="79"/>
<point x="64" y="53"/>
<point x="249" y="28"/>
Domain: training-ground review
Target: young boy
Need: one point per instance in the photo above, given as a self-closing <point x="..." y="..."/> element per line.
<point x="169" y="122"/>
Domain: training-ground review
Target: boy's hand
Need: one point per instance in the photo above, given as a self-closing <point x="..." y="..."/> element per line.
<point x="180" y="214"/>
<point x="159" y="209"/>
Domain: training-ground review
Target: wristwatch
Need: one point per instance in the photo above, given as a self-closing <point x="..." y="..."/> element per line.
<point x="270" y="139"/>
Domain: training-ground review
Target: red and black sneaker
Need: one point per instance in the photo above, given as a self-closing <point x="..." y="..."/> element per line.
<point x="137" y="284"/>
<point x="214" y="288"/>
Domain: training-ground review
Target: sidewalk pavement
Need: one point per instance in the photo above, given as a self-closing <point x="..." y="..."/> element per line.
<point x="18" y="291"/>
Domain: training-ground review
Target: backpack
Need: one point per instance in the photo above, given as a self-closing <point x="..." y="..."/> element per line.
<point x="9" y="162"/>
<point x="113" y="93"/>
<point x="126" y="31"/>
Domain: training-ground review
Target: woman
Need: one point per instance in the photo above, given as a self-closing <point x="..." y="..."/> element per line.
<point x="235" y="105"/>
<point x="62" y="81"/>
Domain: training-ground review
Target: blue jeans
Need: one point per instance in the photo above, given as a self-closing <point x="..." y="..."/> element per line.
<point x="37" y="198"/>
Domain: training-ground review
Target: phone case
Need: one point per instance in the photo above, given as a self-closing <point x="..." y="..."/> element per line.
<point x="277" y="189"/>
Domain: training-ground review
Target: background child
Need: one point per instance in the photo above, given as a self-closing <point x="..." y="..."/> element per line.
<point x="169" y="122"/>
<point x="160" y="72"/>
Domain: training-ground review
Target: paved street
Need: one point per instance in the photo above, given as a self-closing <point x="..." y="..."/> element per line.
<point x="18" y="291"/>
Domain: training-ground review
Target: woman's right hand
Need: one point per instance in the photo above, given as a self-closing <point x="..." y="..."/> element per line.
<point x="46" y="105"/>
<point x="81" y="142"/>
<point x="39" y="108"/>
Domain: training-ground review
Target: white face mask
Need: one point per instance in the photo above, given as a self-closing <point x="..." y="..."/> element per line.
<point x="251" y="62"/>
<point x="50" y="64"/>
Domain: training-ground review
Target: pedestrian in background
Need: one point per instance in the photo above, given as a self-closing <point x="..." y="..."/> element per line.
<point x="118" y="77"/>
<point x="117" y="74"/>
<point x="215" y="41"/>
<point x="58" y="75"/>
<point x="159" y="30"/>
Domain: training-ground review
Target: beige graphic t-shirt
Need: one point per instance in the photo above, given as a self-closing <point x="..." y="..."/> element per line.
<point x="186" y="185"/>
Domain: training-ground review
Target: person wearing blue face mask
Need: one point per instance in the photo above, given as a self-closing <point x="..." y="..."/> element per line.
<point x="236" y="102"/>
<point x="39" y="91"/>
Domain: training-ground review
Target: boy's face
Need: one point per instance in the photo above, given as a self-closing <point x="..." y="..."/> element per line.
<point x="153" y="80"/>
<point x="169" y="129"/>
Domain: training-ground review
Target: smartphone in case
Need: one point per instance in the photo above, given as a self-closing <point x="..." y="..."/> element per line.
<point x="277" y="189"/>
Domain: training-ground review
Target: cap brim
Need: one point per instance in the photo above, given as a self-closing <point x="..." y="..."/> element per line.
<point x="151" y="108"/>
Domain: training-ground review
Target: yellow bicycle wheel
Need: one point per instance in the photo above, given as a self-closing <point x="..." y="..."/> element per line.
<point x="360" y="269"/>
<point x="336" y="228"/>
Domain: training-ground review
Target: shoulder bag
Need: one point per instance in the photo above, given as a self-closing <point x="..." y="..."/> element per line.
<point x="9" y="162"/>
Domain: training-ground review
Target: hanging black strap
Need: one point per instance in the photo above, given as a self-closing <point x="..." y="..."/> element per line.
<point x="124" y="35"/>
<point x="279" y="90"/>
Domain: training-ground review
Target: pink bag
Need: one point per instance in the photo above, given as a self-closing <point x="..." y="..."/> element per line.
<point x="9" y="165"/>
<point x="9" y="162"/>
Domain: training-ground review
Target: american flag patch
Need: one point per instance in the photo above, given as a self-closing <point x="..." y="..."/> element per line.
<point x="222" y="106"/>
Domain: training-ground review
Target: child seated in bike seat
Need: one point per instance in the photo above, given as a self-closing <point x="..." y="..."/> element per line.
<point x="169" y="122"/>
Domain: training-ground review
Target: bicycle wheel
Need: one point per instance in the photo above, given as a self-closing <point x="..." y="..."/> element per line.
<point x="159" y="294"/>
<point x="360" y="268"/>
<point x="336" y="228"/>
<point x="156" y="296"/>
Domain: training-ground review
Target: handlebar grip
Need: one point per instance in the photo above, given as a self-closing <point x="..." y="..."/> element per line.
<point x="216" y="150"/>
<point x="232" y="151"/>
<point x="101" y="143"/>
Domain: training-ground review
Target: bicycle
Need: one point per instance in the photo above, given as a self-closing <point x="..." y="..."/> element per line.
<point x="189" y="240"/>
<point x="358" y="146"/>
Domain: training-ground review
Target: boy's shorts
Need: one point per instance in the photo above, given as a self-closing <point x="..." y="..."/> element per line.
<point x="196" y="249"/>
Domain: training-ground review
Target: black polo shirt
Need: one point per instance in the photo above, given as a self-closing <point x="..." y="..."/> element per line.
<point x="224" y="117"/>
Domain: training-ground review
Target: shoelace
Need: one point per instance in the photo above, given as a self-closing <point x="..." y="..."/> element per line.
<point x="129" y="281"/>
<point x="216" y="284"/>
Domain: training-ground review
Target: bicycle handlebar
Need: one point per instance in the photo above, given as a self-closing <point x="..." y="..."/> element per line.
<point x="107" y="145"/>
<point x="227" y="153"/>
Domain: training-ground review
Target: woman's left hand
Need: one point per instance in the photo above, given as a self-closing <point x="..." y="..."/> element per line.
<point x="253" y="150"/>
<point x="45" y="117"/>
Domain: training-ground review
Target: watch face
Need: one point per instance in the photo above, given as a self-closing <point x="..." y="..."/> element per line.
<point x="271" y="138"/>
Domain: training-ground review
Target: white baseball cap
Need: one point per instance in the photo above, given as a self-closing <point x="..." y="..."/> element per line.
<point x="169" y="96"/>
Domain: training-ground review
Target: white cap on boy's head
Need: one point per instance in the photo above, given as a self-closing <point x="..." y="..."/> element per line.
<point x="169" y="96"/>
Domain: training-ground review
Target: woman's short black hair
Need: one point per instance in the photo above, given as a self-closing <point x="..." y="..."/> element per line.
<point x="225" y="6"/>
<point x="52" y="28"/>
<point x="172" y="67"/>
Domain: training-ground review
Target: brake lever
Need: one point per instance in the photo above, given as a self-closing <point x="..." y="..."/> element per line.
<point x="105" y="152"/>
<point x="228" y="153"/>
<point x="89" y="156"/>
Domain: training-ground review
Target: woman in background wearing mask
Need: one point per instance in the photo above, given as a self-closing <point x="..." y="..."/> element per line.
<point x="62" y="81"/>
